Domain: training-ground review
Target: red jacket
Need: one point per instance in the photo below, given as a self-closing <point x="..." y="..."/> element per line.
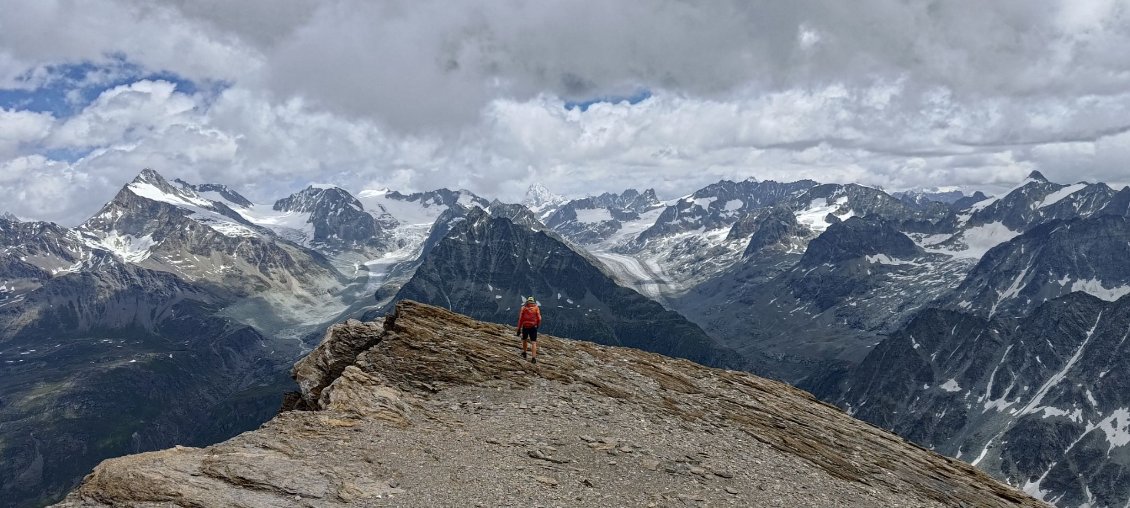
<point x="530" y="316"/>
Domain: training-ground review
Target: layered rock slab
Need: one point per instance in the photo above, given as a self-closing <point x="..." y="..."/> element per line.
<point x="441" y="410"/>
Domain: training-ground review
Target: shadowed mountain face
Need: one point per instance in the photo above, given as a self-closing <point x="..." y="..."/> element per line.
<point x="116" y="337"/>
<point x="1039" y="401"/>
<point x="338" y="220"/>
<point x="115" y="359"/>
<point x="1049" y="261"/>
<point x="407" y="411"/>
<point x="1021" y="370"/>
<point x="485" y="265"/>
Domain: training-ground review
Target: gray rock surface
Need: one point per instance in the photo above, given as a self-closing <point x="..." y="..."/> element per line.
<point x="442" y="411"/>
<point x="486" y="265"/>
<point x="1039" y="402"/>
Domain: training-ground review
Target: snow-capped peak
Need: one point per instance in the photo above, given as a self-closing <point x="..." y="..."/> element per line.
<point x="151" y="185"/>
<point x="150" y="176"/>
<point x="8" y="216"/>
<point x="538" y="197"/>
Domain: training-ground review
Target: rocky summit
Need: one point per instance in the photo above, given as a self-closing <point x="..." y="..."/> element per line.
<point x="432" y="408"/>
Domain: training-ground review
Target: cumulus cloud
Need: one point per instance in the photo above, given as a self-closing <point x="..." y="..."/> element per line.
<point x="20" y="128"/>
<point x="421" y="94"/>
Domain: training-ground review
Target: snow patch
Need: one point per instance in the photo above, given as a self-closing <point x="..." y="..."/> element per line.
<point x="591" y="215"/>
<point x="950" y="386"/>
<point x="200" y="209"/>
<point x="813" y="215"/>
<point x="405" y="212"/>
<point x="734" y="205"/>
<point x="1034" y="405"/>
<point x="1117" y="428"/>
<point x="466" y="199"/>
<point x="150" y="191"/>
<point x="293" y="226"/>
<point x="884" y="259"/>
<point x="704" y="202"/>
<point x="1096" y="288"/>
<point x="127" y="247"/>
<point x="1059" y="195"/>
<point x="978" y="240"/>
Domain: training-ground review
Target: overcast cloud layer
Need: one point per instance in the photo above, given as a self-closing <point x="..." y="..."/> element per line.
<point x="268" y="96"/>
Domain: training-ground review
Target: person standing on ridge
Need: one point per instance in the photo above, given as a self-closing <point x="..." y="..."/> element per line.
<point x="528" y="321"/>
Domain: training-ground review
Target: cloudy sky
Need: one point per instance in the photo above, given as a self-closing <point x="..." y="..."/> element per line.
<point x="583" y="96"/>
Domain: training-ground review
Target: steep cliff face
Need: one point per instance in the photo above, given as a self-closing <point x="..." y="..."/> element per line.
<point x="408" y="411"/>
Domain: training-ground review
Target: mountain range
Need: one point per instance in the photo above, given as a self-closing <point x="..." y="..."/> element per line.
<point x="985" y="328"/>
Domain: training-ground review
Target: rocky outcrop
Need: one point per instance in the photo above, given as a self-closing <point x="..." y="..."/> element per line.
<point x="858" y="237"/>
<point x="338" y="350"/>
<point x="442" y="411"/>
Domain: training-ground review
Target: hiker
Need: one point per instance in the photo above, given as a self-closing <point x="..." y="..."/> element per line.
<point x="528" y="321"/>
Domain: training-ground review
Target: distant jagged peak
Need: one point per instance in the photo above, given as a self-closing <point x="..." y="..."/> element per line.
<point x="8" y="216"/>
<point x="538" y="196"/>
<point x="481" y="215"/>
<point x="920" y="195"/>
<point x="1037" y="176"/>
<point x="441" y="197"/>
<point x="150" y="176"/>
<point x="149" y="184"/>
<point x="221" y="191"/>
<point x="317" y="196"/>
<point x="635" y="196"/>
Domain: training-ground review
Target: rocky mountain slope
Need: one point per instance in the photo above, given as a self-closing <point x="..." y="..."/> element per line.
<point x="1027" y="378"/>
<point x="111" y="358"/>
<point x="835" y="284"/>
<point x="337" y="222"/>
<point x="595" y="219"/>
<point x="407" y="412"/>
<point x="158" y="225"/>
<point x="156" y="322"/>
<point x="486" y="263"/>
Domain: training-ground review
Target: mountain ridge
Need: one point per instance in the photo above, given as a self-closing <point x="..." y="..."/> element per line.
<point x="459" y="388"/>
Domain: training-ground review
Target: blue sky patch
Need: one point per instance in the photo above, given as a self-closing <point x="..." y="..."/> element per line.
<point x="67" y="154"/>
<point x="68" y="88"/>
<point x="633" y="99"/>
